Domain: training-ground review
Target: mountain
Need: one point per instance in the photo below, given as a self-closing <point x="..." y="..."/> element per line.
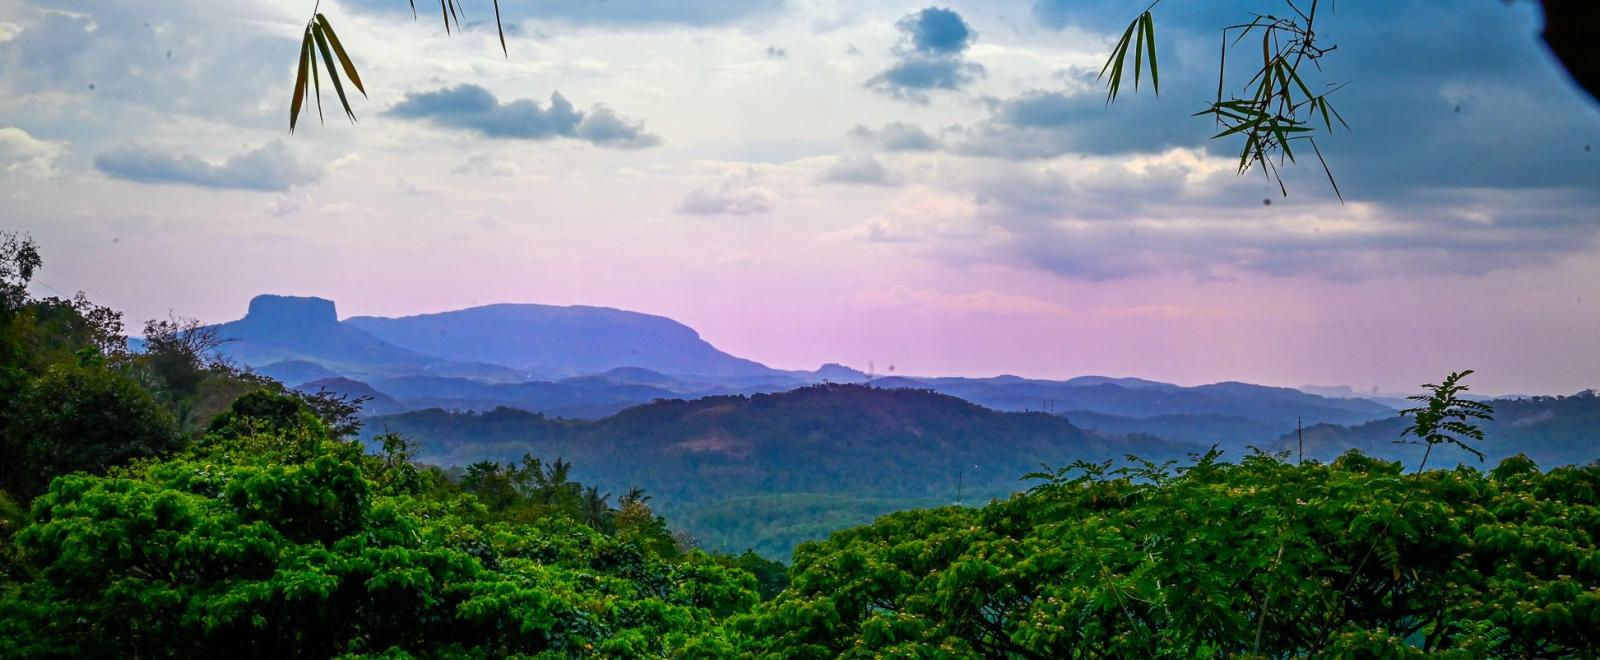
<point x="1550" y="430"/>
<point x="280" y="329"/>
<point x="1396" y="401"/>
<point x="1277" y="407"/>
<point x="592" y="362"/>
<point x="574" y="340"/>
<point x="1125" y="382"/>
<point x="834" y="372"/>
<point x="300" y="337"/>
<point x="831" y="439"/>
<point x="293" y="372"/>
<point x="1230" y="433"/>
<point x="377" y="403"/>
<point x="586" y="398"/>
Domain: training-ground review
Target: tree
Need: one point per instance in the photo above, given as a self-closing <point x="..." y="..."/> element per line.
<point x="1445" y="417"/>
<point x="180" y="350"/>
<point x="275" y="538"/>
<point x="81" y="418"/>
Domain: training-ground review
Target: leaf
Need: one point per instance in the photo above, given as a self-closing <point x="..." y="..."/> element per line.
<point x="1119" y="55"/>
<point x="1150" y="42"/>
<point x="1138" y="52"/>
<point x="299" y="82"/>
<point x="502" y="28"/>
<point x="344" y="58"/>
<point x="316" y="80"/>
<point x="333" y="73"/>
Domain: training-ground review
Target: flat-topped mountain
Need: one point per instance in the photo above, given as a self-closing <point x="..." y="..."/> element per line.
<point x="307" y="332"/>
<point x="302" y="339"/>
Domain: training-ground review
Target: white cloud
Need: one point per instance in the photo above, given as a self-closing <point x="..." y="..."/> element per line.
<point x="737" y="193"/>
<point x="482" y="165"/>
<point x="23" y="155"/>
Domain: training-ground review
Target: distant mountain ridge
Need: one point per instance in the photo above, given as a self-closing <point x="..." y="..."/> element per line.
<point x="297" y="337"/>
<point x="578" y="340"/>
<point x="592" y="362"/>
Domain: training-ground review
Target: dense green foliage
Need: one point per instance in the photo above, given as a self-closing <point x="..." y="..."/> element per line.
<point x="83" y="418"/>
<point x="773" y="525"/>
<point x="271" y="537"/>
<point x="1353" y="558"/>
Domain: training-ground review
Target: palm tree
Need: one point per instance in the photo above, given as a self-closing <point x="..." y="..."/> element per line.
<point x="635" y="494"/>
<point x="554" y="484"/>
<point x="597" y="509"/>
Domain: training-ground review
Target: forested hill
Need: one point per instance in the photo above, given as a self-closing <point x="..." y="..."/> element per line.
<point x="846" y="439"/>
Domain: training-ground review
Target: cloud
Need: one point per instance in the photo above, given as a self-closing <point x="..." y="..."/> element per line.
<point x="103" y="59"/>
<point x="776" y="53"/>
<point x="1184" y="212"/>
<point x="910" y="79"/>
<point x="23" y="155"/>
<point x="858" y="170"/>
<point x="737" y="193"/>
<point x="929" y="57"/>
<point x="936" y="31"/>
<point x="473" y="108"/>
<point x="620" y="13"/>
<point x="481" y="165"/>
<point x="928" y="219"/>
<point x="897" y="136"/>
<point x="270" y="168"/>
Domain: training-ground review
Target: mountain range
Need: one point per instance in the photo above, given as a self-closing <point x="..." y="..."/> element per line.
<point x="591" y="362"/>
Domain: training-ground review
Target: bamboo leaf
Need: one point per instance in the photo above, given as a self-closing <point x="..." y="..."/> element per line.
<point x="344" y="58"/>
<point x="1328" y="171"/>
<point x="333" y="72"/>
<point x="1150" y="43"/>
<point x="1138" y="51"/>
<point x="1119" y="55"/>
<point x="1283" y="140"/>
<point x="299" y="82"/>
<point x="316" y="79"/>
<point x="501" y="28"/>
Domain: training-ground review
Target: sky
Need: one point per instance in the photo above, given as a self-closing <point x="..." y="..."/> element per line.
<point x="938" y="187"/>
